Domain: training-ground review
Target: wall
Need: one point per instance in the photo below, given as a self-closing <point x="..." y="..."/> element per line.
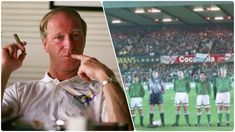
<point x="23" y="18"/>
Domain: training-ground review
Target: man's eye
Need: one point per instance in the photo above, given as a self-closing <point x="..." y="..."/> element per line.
<point x="60" y="37"/>
<point x="75" y="36"/>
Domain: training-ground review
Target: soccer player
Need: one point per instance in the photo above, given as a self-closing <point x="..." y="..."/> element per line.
<point x="223" y="87"/>
<point x="203" y="90"/>
<point x="137" y="92"/>
<point x="182" y="88"/>
<point x="156" y="91"/>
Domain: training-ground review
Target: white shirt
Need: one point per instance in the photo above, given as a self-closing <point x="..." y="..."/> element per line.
<point x="47" y="100"/>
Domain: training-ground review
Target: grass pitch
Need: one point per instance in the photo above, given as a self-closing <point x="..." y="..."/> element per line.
<point x="169" y="112"/>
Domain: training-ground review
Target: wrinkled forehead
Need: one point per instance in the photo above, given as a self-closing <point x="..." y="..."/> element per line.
<point x="65" y="18"/>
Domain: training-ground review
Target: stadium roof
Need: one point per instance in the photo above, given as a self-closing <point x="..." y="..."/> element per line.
<point x="142" y="13"/>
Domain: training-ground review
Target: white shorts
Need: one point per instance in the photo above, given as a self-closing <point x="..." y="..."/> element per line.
<point x="203" y="100"/>
<point x="181" y="99"/>
<point x="136" y="103"/>
<point x="223" y="99"/>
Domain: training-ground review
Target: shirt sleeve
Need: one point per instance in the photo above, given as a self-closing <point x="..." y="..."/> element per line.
<point x="10" y="98"/>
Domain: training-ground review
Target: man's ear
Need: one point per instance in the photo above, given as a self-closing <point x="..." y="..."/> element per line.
<point x="44" y="42"/>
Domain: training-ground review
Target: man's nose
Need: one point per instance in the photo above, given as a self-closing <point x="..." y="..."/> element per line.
<point x="68" y="43"/>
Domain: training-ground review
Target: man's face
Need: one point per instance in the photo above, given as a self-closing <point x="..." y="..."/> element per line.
<point x="136" y="79"/>
<point x="223" y="72"/>
<point x="202" y="76"/>
<point x="64" y="37"/>
<point x="180" y="74"/>
<point x="155" y="74"/>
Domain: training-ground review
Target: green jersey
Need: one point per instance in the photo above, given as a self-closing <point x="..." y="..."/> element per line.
<point x="203" y="88"/>
<point x="136" y="90"/>
<point x="223" y="84"/>
<point x="182" y="85"/>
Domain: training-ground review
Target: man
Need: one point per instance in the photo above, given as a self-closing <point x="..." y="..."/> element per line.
<point x="74" y="85"/>
<point x="203" y="90"/>
<point x="223" y="86"/>
<point x="136" y="92"/>
<point x="182" y="89"/>
<point x="156" y="91"/>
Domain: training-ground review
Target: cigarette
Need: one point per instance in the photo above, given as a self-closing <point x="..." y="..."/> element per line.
<point x="17" y="39"/>
<point x="19" y="42"/>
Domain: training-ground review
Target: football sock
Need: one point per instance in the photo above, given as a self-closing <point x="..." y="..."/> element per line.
<point x="177" y="117"/>
<point x="227" y="117"/>
<point x="198" y="119"/>
<point x="220" y="117"/>
<point x="151" y="118"/>
<point x="162" y="118"/>
<point x="187" y="118"/>
<point x="208" y="117"/>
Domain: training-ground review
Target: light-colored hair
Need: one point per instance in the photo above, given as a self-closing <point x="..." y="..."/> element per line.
<point x="46" y="18"/>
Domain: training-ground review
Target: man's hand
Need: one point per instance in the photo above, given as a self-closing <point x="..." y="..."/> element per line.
<point x="91" y="68"/>
<point x="116" y="103"/>
<point x="11" y="61"/>
<point x="10" y="58"/>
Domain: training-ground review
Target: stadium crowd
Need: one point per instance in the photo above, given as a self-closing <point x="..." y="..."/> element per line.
<point x="180" y="40"/>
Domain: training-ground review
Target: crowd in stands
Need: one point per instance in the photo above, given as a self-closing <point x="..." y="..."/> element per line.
<point x="173" y="40"/>
<point x="176" y="40"/>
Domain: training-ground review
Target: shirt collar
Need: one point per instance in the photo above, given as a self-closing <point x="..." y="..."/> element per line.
<point x="47" y="79"/>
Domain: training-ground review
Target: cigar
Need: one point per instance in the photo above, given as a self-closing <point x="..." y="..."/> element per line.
<point x="18" y="41"/>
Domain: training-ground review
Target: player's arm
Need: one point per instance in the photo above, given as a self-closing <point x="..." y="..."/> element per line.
<point x="142" y="91"/>
<point x="188" y="86"/>
<point x="209" y="87"/>
<point x="196" y="87"/>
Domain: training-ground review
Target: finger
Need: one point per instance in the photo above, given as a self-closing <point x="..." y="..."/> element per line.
<point x="22" y="56"/>
<point x="23" y="43"/>
<point x="10" y="50"/>
<point x="15" y="50"/>
<point x="21" y="47"/>
<point x="79" y="57"/>
<point x="19" y="43"/>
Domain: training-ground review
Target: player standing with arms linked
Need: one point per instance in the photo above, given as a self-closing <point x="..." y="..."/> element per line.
<point x="136" y="92"/>
<point x="203" y="90"/>
<point x="182" y="88"/>
<point x="156" y="91"/>
<point x="223" y="85"/>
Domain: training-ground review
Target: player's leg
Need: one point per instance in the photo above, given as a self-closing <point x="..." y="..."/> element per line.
<point x="206" y="102"/>
<point x="152" y="103"/>
<point x="151" y="115"/>
<point x="198" y="107"/>
<point x="227" y="107"/>
<point x="141" y="110"/>
<point x="208" y="114"/>
<point x="132" y="107"/>
<point x="198" y="116"/>
<point x="185" y="105"/>
<point x="160" y="109"/>
<point x="219" y="104"/>
<point x="133" y="114"/>
<point x="177" y="113"/>
<point x="141" y="113"/>
<point x="186" y="114"/>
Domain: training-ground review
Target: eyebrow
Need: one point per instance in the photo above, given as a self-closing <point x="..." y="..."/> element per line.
<point x="77" y="30"/>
